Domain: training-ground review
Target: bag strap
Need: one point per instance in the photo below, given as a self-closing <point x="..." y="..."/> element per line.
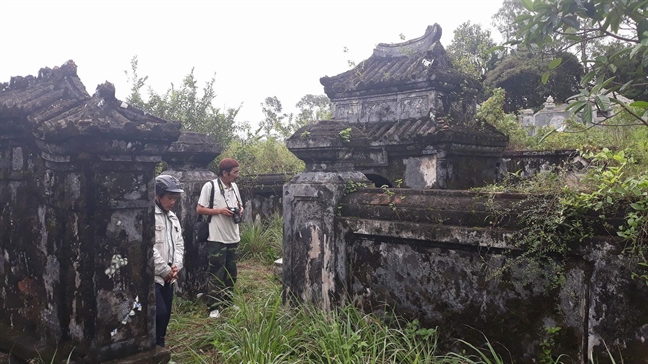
<point x="211" y="201"/>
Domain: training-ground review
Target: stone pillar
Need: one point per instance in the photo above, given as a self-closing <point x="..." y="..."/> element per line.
<point x="188" y="161"/>
<point x="313" y="255"/>
<point x="98" y="231"/>
<point x="77" y="221"/>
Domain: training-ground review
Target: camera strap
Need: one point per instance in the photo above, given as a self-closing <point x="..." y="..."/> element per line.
<point x="222" y="191"/>
<point x="211" y="201"/>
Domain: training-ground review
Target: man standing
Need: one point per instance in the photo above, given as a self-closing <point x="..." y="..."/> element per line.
<point x="224" y="235"/>
<point x="168" y="251"/>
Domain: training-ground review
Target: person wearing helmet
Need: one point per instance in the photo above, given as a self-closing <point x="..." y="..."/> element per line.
<point x="224" y="237"/>
<point x="168" y="250"/>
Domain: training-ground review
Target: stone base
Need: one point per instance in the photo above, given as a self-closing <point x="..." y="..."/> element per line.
<point x="18" y="348"/>
<point x="156" y="356"/>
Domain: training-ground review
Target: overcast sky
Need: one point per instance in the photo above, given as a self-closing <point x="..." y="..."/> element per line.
<point x="255" y="49"/>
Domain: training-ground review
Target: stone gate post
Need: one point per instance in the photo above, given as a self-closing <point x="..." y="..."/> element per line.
<point x="313" y="255"/>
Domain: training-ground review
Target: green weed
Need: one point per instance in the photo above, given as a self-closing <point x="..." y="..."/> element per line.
<point x="262" y="240"/>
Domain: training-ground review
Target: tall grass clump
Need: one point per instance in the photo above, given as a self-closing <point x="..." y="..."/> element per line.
<point x="261" y="329"/>
<point x="269" y="332"/>
<point x="261" y="241"/>
<point x="259" y="332"/>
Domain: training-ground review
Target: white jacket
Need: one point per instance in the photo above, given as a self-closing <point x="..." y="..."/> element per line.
<point x="168" y="248"/>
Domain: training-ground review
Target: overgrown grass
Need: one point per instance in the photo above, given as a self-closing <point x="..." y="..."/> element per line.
<point x="263" y="330"/>
<point x="261" y="241"/>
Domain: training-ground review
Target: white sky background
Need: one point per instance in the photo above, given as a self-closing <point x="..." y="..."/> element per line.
<point x="255" y="49"/>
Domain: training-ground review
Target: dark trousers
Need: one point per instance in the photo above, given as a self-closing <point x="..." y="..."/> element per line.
<point x="222" y="273"/>
<point x="163" y="301"/>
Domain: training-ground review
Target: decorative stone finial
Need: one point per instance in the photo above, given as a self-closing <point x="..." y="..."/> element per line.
<point x="416" y="45"/>
<point x="549" y="104"/>
<point x="106" y="91"/>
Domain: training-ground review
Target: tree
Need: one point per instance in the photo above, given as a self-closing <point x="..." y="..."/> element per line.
<point x="313" y="107"/>
<point x="505" y="22"/>
<point x="279" y="124"/>
<point x="492" y="111"/>
<point x="265" y="151"/>
<point x="137" y="83"/>
<point x="504" y="19"/>
<point x="627" y="70"/>
<point x="194" y="109"/>
<point x="581" y="22"/>
<point x="470" y="50"/>
<point x="276" y="123"/>
<point x="521" y="76"/>
<point x="263" y="155"/>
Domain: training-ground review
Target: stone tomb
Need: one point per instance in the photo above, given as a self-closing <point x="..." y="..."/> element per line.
<point x="76" y="222"/>
<point x="403" y="117"/>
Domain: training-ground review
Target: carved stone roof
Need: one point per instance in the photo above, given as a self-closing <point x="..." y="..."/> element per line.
<point x="417" y="64"/>
<point x="431" y="132"/>
<point x="56" y="105"/>
<point x="399" y="134"/>
<point x="51" y="93"/>
<point x="192" y="150"/>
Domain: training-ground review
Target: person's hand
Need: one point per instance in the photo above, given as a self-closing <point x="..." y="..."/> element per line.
<point x="174" y="269"/>
<point x="225" y="211"/>
<point x="169" y="277"/>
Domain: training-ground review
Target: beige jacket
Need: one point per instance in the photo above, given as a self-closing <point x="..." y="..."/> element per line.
<point x="168" y="248"/>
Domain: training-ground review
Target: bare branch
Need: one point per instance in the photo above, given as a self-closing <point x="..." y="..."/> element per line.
<point x="644" y="122"/>
<point x="620" y="37"/>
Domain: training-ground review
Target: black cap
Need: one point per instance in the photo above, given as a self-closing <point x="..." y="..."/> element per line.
<point x="167" y="184"/>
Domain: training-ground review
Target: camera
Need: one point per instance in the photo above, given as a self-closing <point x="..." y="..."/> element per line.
<point x="237" y="215"/>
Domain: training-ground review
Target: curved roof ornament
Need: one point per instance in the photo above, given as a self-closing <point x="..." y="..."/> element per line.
<point x="416" y="45"/>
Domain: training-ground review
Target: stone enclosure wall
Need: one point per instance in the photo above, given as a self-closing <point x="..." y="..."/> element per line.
<point x="428" y="254"/>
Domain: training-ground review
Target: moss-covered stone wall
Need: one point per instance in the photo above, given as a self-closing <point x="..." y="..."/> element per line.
<point x="431" y="255"/>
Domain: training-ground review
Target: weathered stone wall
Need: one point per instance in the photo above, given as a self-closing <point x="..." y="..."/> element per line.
<point x="411" y="153"/>
<point x="313" y="257"/>
<point x="381" y="108"/>
<point x="532" y="162"/>
<point x="550" y="116"/>
<point x="428" y="255"/>
<point x="263" y="196"/>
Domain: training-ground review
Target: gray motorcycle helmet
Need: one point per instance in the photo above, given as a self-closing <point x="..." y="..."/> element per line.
<point x="167" y="184"/>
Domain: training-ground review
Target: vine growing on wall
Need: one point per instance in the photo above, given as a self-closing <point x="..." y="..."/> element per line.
<point x="556" y="216"/>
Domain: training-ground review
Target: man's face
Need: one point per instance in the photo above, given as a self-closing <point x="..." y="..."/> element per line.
<point x="231" y="176"/>
<point x="168" y="200"/>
